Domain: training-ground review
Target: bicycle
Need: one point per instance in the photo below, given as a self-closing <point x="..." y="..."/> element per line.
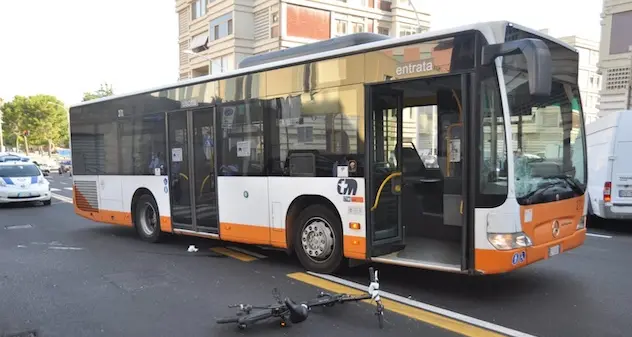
<point x="290" y="312"/>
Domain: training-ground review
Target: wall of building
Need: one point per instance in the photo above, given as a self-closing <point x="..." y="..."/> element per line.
<point x="240" y="28"/>
<point x="615" y="57"/>
<point x="589" y="77"/>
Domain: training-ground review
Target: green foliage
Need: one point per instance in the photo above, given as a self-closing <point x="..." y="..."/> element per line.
<point x="104" y="91"/>
<point x="44" y="116"/>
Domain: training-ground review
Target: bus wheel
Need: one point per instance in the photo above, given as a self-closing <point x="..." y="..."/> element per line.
<point x="147" y="219"/>
<point x="318" y="239"/>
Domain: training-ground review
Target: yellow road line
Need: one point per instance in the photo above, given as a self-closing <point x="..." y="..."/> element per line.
<point x="234" y="254"/>
<point x="443" y="322"/>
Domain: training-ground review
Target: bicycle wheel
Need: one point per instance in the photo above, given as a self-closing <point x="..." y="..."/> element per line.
<point x="256" y="316"/>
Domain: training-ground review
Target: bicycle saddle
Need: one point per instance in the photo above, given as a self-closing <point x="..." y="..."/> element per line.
<point x="298" y="312"/>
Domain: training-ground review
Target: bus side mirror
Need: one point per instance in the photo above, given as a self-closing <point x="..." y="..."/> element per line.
<point x="539" y="63"/>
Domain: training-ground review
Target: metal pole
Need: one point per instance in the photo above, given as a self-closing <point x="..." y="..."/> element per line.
<point x="419" y="28"/>
<point x="629" y="86"/>
<point x="1" y="135"/>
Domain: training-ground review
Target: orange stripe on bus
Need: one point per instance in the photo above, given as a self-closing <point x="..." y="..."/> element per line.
<point x="114" y="217"/>
<point x="258" y="235"/>
<point x="490" y="261"/>
<point x="354" y="247"/>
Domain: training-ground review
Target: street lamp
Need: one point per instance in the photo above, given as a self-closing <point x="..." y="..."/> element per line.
<point x="419" y="28"/>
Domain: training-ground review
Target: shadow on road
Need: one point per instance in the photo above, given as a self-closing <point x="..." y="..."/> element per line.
<point x="417" y="284"/>
<point x="612" y="226"/>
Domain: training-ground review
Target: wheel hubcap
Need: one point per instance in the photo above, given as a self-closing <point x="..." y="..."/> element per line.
<point x="318" y="239"/>
<point x="148" y="219"/>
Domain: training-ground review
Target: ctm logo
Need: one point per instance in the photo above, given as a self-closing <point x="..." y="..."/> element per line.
<point x="347" y="187"/>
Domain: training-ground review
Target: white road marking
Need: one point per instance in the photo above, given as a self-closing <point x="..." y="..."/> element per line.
<point x="18" y="227"/>
<point x="54" y="189"/>
<point x="247" y="252"/>
<point x="430" y="308"/>
<point x="599" y="235"/>
<point x="65" y="248"/>
<point x="61" y="198"/>
<point x="63" y="183"/>
<point x="68" y="188"/>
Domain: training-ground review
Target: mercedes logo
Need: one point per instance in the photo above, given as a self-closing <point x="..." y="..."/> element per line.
<point x="556" y="228"/>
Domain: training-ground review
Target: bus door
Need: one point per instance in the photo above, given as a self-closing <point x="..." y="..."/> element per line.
<point x="416" y="202"/>
<point x="191" y="145"/>
<point x="384" y="130"/>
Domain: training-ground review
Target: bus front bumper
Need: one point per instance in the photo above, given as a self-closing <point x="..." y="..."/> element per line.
<point x="491" y="261"/>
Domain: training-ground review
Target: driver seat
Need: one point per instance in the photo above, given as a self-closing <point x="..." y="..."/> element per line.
<point x="298" y="312"/>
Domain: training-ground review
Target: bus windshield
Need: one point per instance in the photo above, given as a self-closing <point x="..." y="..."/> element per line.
<point x="547" y="133"/>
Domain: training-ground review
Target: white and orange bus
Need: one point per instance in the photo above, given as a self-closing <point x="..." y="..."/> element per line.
<point x="459" y="150"/>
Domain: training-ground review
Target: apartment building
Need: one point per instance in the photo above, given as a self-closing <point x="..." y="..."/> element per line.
<point x="615" y="56"/>
<point x="215" y="35"/>
<point x="589" y="77"/>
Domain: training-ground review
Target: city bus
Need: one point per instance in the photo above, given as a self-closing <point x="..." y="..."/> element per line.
<point x="459" y="150"/>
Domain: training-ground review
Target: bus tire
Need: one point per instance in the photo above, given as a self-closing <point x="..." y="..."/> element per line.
<point x="147" y="219"/>
<point x="318" y="239"/>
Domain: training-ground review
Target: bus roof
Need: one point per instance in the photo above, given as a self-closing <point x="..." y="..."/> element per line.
<point x="491" y="30"/>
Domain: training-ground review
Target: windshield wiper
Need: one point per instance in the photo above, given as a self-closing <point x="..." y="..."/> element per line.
<point x="572" y="182"/>
<point x="538" y="191"/>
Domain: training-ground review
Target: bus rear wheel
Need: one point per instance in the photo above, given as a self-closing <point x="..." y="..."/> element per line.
<point x="147" y="219"/>
<point x="318" y="239"/>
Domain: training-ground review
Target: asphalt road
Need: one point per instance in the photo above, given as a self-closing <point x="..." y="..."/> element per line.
<point x="110" y="283"/>
<point x="65" y="276"/>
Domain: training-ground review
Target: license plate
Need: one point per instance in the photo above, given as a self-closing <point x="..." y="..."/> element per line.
<point x="625" y="193"/>
<point x="554" y="250"/>
<point x="24" y="194"/>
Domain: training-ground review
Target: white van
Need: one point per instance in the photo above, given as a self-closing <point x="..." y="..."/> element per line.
<point x="609" y="143"/>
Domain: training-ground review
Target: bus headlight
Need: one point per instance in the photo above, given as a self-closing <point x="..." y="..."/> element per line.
<point x="582" y="223"/>
<point x="507" y="241"/>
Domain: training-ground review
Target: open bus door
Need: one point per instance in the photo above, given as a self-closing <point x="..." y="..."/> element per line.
<point x="384" y="147"/>
<point x="417" y="209"/>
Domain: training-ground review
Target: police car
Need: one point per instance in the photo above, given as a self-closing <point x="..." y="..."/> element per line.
<point x="23" y="182"/>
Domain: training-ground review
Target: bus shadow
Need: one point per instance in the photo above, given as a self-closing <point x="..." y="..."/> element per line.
<point x="426" y="285"/>
<point x="417" y="284"/>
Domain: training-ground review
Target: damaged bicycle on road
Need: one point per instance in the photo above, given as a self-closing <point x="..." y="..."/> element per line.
<point x="290" y="312"/>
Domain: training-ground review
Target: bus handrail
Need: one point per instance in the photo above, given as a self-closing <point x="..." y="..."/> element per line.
<point x="379" y="190"/>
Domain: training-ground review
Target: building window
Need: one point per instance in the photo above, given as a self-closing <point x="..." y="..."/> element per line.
<point x="383" y="31"/>
<point x="305" y="134"/>
<point x="220" y="64"/>
<point x="198" y="9"/>
<point x="222" y="26"/>
<point x="275" y="30"/>
<point x="341" y="27"/>
<point x="358" y="27"/>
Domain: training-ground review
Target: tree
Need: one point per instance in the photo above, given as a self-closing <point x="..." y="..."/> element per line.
<point x="104" y="91"/>
<point x="43" y="116"/>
